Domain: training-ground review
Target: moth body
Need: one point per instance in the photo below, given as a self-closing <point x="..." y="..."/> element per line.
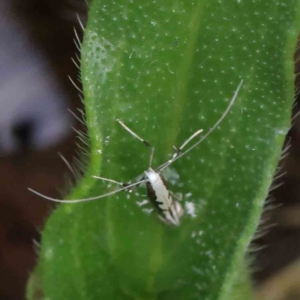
<point x="158" y="193"/>
<point x="163" y="200"/>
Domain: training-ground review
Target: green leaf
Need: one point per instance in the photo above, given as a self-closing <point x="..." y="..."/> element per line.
<point x="167" y="69"/>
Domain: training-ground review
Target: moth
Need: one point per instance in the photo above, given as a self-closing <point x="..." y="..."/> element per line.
<point x="164" y="201"/>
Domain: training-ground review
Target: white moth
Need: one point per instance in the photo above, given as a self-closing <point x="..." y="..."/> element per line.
<point x="163" y="200"/>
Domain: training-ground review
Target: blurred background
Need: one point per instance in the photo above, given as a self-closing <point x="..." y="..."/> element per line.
<point x="35" y="125"/>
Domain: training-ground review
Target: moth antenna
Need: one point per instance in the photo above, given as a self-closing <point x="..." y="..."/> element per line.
<point x="109" y="180"/>
<point x="86" y="199"/>
<point x="163" y="166"/>
<point x="74" y="84"/>
<point x="67" y="164"/>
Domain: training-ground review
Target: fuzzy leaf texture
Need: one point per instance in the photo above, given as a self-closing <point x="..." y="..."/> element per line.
<point x="167" y="69"/>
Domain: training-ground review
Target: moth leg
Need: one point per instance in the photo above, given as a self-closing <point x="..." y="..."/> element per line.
<point x="178" y="150"/>
<point x="176" y="196"/>
<point x="140" y="139"/>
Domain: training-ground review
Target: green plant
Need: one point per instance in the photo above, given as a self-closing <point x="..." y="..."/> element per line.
<point x="168" y="68"/>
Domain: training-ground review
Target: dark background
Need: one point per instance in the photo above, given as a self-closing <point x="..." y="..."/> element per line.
<point x="47" y="28"/>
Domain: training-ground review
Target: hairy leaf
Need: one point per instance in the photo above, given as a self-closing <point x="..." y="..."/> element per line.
<point x="167" y="69"/>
